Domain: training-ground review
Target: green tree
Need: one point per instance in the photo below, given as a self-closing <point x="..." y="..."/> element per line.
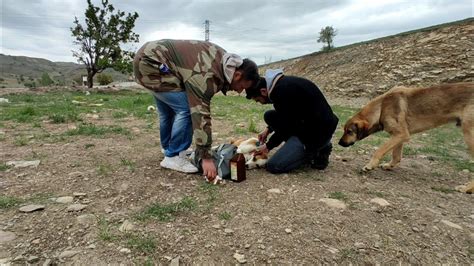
<point x="99" y="40"/>
<point x="46" y="80"/>
<point x="326" y="35"/>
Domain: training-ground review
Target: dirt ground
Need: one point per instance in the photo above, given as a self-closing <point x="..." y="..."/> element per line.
<point x="267" y="219"/>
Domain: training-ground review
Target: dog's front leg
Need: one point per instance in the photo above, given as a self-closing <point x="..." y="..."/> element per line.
<point x="396" y="158"/>
<point x="380" y="152"/>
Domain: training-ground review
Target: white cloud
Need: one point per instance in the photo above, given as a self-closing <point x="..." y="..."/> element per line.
<point x="257" y="29"/>
<point x="175" y="31"/>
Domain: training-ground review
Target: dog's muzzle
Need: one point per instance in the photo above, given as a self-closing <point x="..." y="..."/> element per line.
<point x="344" y="144"/>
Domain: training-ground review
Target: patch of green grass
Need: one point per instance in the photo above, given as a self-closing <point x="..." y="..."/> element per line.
<point x="443" y="190"/>
<point x="57" y="118"/>
<point x="104" y="169"/>
<point x="119" y="114"/>
<point x="20" y="141"/>
<point x="211" y="192"/>
<point x="4" y="166"/>
<point x="93" y="130"/>
<point x="105" y="233"/>
<point x="142" y="244"/>
<point x="167" y="212"/>
<point x="338" y="195"/>
<point x="8" y="202"/>
<point x="129" y="164"/>
<point x="39" y="198"/>
<point x="89" y="145"/>
<point x="348" y="253"/>
<point x="225" y="216"/>
<point x="252" y="127"/>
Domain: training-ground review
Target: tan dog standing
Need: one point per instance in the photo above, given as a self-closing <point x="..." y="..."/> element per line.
<point x="403" y="111"/>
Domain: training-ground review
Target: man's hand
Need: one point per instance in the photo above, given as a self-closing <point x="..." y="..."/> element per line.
<point x="209" y="169"/>
<point x="262" y="149"/>
<point x="262" y="137"/>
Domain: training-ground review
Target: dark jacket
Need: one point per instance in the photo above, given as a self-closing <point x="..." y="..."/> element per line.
<point x="304" y="112"/>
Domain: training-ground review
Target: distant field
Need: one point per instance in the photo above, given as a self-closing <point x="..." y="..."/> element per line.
<point x="444" y="143"/>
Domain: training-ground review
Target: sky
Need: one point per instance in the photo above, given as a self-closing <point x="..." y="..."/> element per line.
<point x="262" y="30"/>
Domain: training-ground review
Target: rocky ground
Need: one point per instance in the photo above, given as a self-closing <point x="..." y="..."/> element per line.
<point x="92" y="196"/>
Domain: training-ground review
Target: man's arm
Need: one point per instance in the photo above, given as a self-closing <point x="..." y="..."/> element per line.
<point x="199" y="96"/>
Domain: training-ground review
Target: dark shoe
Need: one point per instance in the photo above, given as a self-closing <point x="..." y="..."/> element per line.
<point x="320" y="159"/>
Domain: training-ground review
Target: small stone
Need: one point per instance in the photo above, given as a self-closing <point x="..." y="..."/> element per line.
<point x="359" y="245"/>
<point x="32" y="259"/>
<point x="125" y="250"/>
<point x="332" y="250"/>
<point x="380" y="201"/>
<point x="36" y="241"/>
<point x="20" y="164"/>
<point x="216" y="226"/>
<point x="86" y="219"/>
<point x="266" y="218"/>
<point x="288" y="230"/>
<point x="334" y="203"/>
<point x="66" y="199"/>
<point x="68" y="254"/>
<point x="79" y="194"/>
<point x="415" y="229"/>
<point x="228" y="231"/>
<point x="451" y="224"/>
<point x="126" y="226"/>
<point x="471" y="216"/>
<point x="6" y="236"/>
<point x="274" y="190"/>
<point x="240" y="258"/>
<point x="247" y="246"/>
<point x="32" y="208"/>
<point x="76" y="207"/>
<point x="175" y="262"/>
<point x="108" y="210"/>
<point x="91" y="246"/>
<point x="47" y="262"/>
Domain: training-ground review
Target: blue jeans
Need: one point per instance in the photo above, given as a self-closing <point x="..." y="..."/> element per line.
<point x="290" y="156"/>
<point x="176" y="132"/>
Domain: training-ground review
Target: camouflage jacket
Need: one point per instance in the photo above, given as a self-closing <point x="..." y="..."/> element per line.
<point x="194" y="66"/>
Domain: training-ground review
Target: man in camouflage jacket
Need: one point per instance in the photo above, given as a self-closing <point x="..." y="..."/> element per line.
<point x="200" y="69"/>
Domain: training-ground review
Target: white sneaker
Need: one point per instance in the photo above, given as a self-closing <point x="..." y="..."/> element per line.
<point x="179" y="164"/>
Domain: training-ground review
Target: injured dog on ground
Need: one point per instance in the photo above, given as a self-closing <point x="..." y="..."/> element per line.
<point x="249" y="147"/>
<point x="403" y="111"/>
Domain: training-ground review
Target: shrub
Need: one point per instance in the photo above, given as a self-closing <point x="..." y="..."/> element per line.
<point x="104" y="79"/>
<point x="46" y="80"/>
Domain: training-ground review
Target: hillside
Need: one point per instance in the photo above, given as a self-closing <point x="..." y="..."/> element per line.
<point x="18" y="70"/>
<point x="443" y="53"/>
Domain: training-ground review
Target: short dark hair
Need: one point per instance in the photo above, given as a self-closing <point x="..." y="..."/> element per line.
<point x="254" y="91"/>
<point x="249" y="70"/>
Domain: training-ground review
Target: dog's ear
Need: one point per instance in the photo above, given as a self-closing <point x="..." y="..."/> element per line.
<point x="362" y="129"/>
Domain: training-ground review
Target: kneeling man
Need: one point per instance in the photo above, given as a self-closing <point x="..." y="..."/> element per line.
<point x="302" y="118"/>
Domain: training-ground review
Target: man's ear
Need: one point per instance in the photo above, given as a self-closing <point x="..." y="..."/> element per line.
<point x="263" y="92"/>
<point x="237" y="75"/>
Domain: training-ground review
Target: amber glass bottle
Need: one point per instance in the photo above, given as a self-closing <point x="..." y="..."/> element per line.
<point x="237" y="168"/>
